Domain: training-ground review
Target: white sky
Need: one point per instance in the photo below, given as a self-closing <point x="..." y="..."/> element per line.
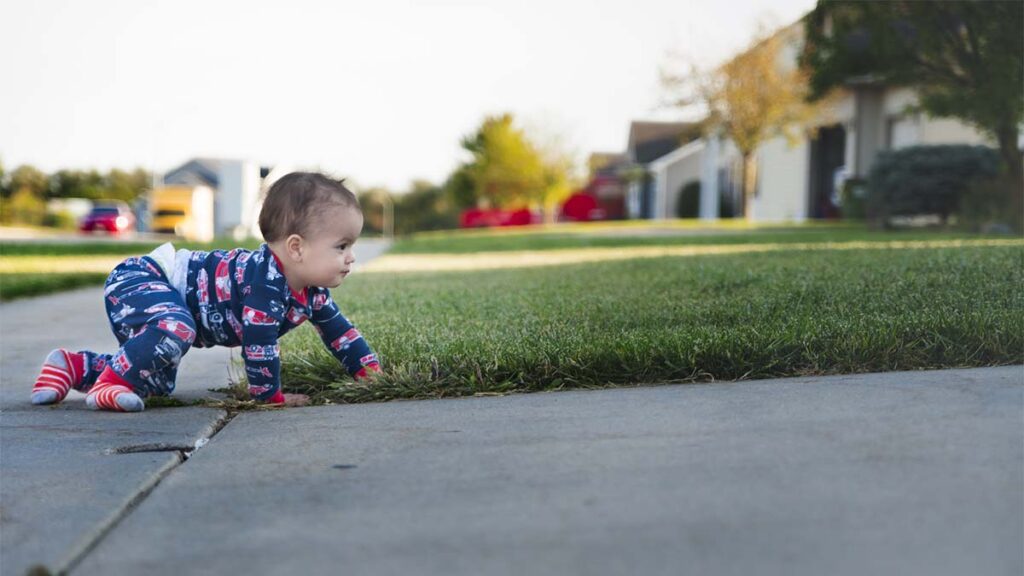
<point x="377" y="91"/>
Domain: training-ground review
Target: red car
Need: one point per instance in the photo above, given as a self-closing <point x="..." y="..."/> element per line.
<point x="114" y="218"/>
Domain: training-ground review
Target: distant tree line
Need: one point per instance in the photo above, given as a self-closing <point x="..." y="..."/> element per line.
<point x="25" y="190"/>
<point x="505" y="168"/>
<point x="90" y="184"/>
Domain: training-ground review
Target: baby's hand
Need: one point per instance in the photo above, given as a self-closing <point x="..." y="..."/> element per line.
<point x="367" y="372"/>
<point x="294" y="400"/>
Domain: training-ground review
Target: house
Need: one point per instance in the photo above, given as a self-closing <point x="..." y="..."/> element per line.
<point x="671" y="173"/>
<point x="649" y="141"/>
<point x="801" y="180"/>
<point x="238" y="189"/>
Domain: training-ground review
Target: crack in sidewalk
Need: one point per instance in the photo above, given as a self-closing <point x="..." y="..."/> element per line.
<point x="96" y="536"/>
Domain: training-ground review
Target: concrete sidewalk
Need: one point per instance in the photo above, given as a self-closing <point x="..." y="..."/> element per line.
<point x="900" y="473"/>
<point x="61" y="483"/>
<point x="909" y="473"/>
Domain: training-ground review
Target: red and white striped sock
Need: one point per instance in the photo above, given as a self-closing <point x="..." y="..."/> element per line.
<point x="62" y="370"/>
<point x="111" y="392"/>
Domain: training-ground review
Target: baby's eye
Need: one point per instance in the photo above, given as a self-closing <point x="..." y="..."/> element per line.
<point x="342" y="246"/>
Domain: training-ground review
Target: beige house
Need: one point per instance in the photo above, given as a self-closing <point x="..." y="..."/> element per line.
<point x="238" y="186"/>
<point x="800" y="180"/>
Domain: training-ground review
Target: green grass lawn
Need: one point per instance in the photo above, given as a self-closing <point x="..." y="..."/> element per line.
<point x="673" y="319"/>
<point x="610" y="236"/>
<point x="662" y="319"/>
<point x="22" y="285"/>
<point x="36" y="268"/>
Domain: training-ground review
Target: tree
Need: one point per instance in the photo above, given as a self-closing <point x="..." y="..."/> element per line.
<point x="559" y="170"/>
<point x="508" y="170"/>
<point x="424" y="207"/>
<point x="79" y="184"/>
<point x="460" y="189"/>
<point x="67" y="184"/>
<point x="374" y="203"/>
<point x="28" y="179"/>
<point x="751" y="98"/>
<point x="126" y="186"/>
<point x="114" y="185"/>
<point x="24" y="196"/>
<point x="964" y="58"/>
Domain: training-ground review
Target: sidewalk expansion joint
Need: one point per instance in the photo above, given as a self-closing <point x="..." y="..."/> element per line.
<point x="183" y="453"/>
<point x="157" y="447"/>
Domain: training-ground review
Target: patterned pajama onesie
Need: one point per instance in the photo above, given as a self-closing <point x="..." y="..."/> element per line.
<point x="161" y="304"/>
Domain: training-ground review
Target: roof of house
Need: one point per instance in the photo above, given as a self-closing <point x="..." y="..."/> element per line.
<point x="606" y="162"/>
<point x="195" y="172"/>
<point x="202" y="172"/>
<point x="651" y="140"/>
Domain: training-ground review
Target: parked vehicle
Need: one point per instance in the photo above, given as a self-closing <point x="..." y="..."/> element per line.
<point x="109" y="217"/>
<point x="484" y="218"/>
<point x="185" y="211"/>
<point x="582" y="207"/>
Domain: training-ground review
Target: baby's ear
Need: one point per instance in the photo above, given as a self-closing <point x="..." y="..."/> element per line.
<point x="294" y="246"/>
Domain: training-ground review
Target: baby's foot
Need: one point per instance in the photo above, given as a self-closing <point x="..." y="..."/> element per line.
<point x="62" y="370"/>
<point x="109" y="394"/>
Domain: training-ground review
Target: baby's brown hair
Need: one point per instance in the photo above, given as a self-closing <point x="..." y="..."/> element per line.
<point x="297" y="201"/>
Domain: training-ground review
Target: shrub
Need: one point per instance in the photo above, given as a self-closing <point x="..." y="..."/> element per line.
<point x="989" y="206"/>
<point x="425" y="207"/>
<point x="854" y="199"/>
<point x="23" y="207"/>
<point x="926" y="180"/>
<point x="61" y="219"/>
<point x="688" y="205"/>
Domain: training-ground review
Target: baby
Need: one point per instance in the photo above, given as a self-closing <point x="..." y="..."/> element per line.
<point x="163" y="303"/>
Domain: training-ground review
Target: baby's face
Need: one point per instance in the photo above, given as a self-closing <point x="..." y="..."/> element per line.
<point x="328" y="257"/>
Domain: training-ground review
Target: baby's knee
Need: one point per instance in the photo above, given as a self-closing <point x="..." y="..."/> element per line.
<point x="180" y="326"/>
<point x="178" y="334"/>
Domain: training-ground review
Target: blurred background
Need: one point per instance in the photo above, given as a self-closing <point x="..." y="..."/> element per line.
<point x="128" y="118"/>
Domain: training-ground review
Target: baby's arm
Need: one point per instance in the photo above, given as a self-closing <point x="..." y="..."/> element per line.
<point x="260" y="326"/>
<point x="342" y="339"/>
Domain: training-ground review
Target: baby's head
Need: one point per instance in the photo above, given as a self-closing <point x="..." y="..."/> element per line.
<point x="311" y="221"/>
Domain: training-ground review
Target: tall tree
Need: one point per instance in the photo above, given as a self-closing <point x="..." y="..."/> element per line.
<point x="67" y="184"/>
<point x="114" y="185"/>
<point x="964" y="58"/>
<point x="460" y="189"/>
<point x="126" y="186"/>
<point x="559" y="165"/>
<point x="506" y="169"/>
<point x="25" y="201"/>
<point x="377" y="204"/>
<point x="753" y="97"/>
<point x="29" y="179"/>
<point x="424" y="207"/>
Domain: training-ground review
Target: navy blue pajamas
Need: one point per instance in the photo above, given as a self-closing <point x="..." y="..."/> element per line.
<point x="152" y="325"/>
<point x="247" y="303"/>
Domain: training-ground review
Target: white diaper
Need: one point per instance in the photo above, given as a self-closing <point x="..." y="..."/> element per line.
<point x="174" y="265"/>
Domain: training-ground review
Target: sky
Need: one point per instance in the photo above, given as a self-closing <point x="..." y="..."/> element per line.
<point x="379" y="92"/>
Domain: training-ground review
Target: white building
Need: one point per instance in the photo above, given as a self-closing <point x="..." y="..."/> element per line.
<point x="238" y="190"/>
<point x="799" y="181"/>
